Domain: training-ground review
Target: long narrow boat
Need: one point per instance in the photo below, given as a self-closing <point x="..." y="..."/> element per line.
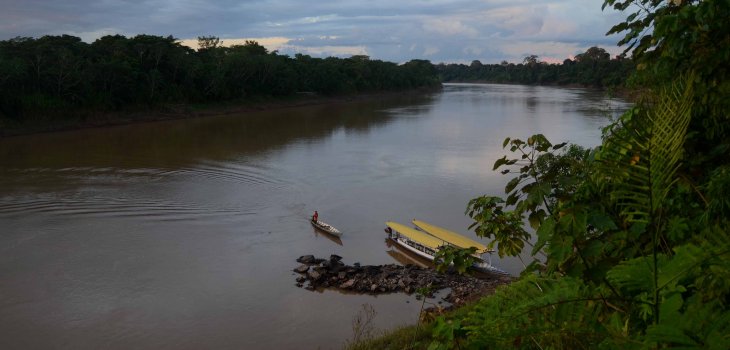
<point x="418" y="242"/>
<point x="326" y="227"/>
<point x="452" y="238"/>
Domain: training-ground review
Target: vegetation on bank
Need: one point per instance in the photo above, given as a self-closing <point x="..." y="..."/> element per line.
<point x="56" y="82"/>
<point x="61" y="81"/>
<point x="60" y="77"/>
<point x="632" y="246"/>
<point x="593" y="68"/>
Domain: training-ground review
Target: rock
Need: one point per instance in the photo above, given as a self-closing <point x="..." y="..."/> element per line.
<point x="314" y="275"/>
<point x="302" y="269"/>
<point x="348" y="284"/>
<point x="377" y="279"/>
<point x="306" y="259"/>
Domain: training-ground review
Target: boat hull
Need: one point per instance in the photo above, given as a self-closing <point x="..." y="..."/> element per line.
<point x="410" y="245"/>
<point x="325" y="227"/>
<point x="404" y="243"/>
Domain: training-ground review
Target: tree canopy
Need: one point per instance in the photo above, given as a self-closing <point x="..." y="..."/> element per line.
<point x="56" y="77"/>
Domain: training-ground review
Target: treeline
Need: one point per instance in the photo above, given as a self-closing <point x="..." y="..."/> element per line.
<point x="57" y="76"/>
<point x="593" y="68"/>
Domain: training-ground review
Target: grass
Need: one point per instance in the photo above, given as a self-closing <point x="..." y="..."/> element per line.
<point x="405" y="337"/>
<point x="399" y="338"/>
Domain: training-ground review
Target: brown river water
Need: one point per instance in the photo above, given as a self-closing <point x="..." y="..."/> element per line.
<point x="183" y="234"/>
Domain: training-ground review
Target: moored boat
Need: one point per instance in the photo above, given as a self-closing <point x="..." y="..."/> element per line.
<point x="454" y="239"/>
<point x="323" y="226"/>
<point x="413" y="240"/>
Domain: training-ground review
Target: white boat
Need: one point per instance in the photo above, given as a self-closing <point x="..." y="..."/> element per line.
<point x="323" y="226"/>
<point x="413" y="240"/>
<point x="454" y="239"/>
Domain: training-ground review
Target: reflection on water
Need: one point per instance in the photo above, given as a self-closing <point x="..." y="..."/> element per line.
<point x="334" y="239"/>
<point x="405" y="257"/>
<point x="183" y="234"/>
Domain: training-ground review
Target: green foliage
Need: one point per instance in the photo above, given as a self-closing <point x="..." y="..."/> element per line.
<point x="461" y="259"/>
<point x="671" y="37"/>
<point x="544" y="180"/>
<point x="641" y="156"/>
<point x="635" y="252"/>
<point x="446" y="334"/>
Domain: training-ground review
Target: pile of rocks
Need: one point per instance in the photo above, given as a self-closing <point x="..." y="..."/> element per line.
<point x="391" y="278"/>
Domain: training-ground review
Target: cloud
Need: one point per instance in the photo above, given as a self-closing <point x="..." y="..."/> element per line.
<point x="326" y="51"/>
<point x="273" y="43"/>
<point x="439" y="30"/>
<point x="430" y="50"/>
<point x="449" y="27"/>
<point x="520" y="21"/>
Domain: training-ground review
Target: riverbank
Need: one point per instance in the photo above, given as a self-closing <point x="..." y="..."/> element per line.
<point x="332" y="273"/>
<point x="93" y="119"/>
<point x="316" y="274"/>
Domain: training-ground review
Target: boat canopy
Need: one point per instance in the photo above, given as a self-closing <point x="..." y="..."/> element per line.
<point x="416" y="236"/>
<point x="451" y="237"/>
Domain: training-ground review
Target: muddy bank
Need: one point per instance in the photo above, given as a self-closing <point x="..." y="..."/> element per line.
<point x="332" y="273"/>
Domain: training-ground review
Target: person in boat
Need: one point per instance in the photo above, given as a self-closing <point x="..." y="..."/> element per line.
<point x="315" y="217"/>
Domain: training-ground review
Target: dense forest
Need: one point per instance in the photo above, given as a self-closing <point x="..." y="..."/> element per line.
<point x="593" y="68"/>
<point x="61" y="78"/>
<point x="58" y="76"/>
<point x="630" y="241"/>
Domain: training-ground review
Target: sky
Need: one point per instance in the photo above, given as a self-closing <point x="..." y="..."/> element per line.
<point x="449" y="31"/>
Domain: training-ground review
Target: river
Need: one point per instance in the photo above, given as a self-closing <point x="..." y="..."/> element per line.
<point x="183" y="234"/>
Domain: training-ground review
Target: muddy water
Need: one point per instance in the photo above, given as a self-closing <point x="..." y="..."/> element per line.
<point x="183" y="234"/>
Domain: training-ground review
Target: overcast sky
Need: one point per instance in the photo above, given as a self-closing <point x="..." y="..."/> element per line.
<point x="392" y="30"/>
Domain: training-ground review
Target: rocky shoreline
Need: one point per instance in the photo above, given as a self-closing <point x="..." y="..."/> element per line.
<point x="332" y="273"/>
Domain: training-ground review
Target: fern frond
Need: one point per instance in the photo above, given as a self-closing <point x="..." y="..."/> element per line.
<point x="565" y="314"/>
<point x="642" y="154"/>
<point x="670" y="119"/>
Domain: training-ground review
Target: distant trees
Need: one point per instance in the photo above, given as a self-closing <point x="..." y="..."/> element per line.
<point x="593" y="68"/>
<point x="60" y="76"/>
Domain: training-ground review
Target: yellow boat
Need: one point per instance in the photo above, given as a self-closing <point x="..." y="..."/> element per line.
<point x="452" y="237"/>
<point x="415" y="241"/>
<point x="426" y="245"/>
